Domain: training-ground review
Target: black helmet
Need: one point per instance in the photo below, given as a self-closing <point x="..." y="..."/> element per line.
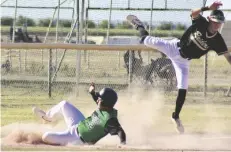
<point x="217" y="16"/>
<point x="109" y="97"/>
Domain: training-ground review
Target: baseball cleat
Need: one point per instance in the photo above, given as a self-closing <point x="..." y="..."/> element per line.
<point x="134" y="21"/>
<point x="40" y="113"/>
<point x="179" y="126"/>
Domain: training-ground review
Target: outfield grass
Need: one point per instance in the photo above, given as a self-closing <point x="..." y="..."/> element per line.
<point x="99" y="31"/>
<point x="16" y="106"/>
<point x="105" y="65"/>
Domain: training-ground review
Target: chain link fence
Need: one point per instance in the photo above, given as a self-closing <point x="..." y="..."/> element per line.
<point x="110" y="69"/>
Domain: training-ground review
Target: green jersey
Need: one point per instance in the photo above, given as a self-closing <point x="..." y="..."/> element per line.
<point x="92" y="128"/>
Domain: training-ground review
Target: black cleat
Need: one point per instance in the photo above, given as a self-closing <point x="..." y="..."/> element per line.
<point x="134" y="21"/>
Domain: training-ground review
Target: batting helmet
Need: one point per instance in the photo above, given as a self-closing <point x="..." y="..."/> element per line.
<point x="217" y="16"/>
<point x="109" y="97"/>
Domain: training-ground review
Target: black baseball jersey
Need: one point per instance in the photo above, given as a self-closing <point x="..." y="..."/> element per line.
<point x="196" y="41"/>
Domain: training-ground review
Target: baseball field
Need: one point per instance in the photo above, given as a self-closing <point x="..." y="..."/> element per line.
<point x="144" y="114"/>
<point x="145" y="105"/>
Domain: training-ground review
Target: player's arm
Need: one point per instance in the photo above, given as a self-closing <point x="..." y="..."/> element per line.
<point x="196" y="12"/>
<point x="94" y="94"/>
<point x="114" y="128"/>
<point x="228" y="57"/>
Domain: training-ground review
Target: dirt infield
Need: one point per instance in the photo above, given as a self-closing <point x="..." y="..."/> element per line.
<point x="27" y="136"/>
<point x="20" y="140"/>
<point x="139" y="117"/>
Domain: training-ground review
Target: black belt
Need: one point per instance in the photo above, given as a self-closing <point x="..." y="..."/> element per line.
<point x="181" y="53"/>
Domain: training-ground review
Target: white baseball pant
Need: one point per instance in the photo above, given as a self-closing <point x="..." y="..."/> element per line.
<point x="72" y="117"/>
<point x="170" y="49"/>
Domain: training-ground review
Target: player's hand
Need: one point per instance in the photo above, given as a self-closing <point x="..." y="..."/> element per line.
<point x="215" y="5"/>
<point x="92" y="88"/>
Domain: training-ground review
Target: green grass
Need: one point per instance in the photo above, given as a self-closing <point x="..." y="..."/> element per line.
<point x="102" y="64"/>
<point x="200" y="115"/>
<point x="17" y="103"/>
<point x="99" y="31"/>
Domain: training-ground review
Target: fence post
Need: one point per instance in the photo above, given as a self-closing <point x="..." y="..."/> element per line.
<point x="49" y="72"/>
<point x="78" y="53"/>
<point x="130" y="67"/>
<point x="205" y="75"/>
<point x="228" y="92"/>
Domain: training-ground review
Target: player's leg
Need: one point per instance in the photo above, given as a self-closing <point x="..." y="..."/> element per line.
<point x="175" y="115"/>
<point x="182" y="71"/>
<point x="69" y="112"/>
<point x="62" y="138"/>
<point x="181" y="66"/>
<point x="168" y="47"/>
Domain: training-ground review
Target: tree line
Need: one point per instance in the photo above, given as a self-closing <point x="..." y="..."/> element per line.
<point x="22" y="20"/>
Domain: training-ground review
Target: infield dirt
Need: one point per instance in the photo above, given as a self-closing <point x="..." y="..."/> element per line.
<point x="139" y="114"/>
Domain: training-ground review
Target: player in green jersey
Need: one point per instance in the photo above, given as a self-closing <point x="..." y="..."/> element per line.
<point x="83" y="130"/>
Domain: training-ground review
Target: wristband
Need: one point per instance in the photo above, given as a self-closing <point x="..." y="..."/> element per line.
<point x="206" y="8"/>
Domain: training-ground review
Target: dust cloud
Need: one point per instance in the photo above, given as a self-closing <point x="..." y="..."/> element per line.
<point x="139" y="111"/>
<point x="141" y="116"/>
<point x="28" y="133"/>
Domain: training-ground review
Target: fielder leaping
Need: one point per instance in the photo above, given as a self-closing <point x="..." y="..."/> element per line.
<point x="201" y="37"/>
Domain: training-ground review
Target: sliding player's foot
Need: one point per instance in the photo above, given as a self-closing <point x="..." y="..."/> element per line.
<point x="40" y="113"/>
